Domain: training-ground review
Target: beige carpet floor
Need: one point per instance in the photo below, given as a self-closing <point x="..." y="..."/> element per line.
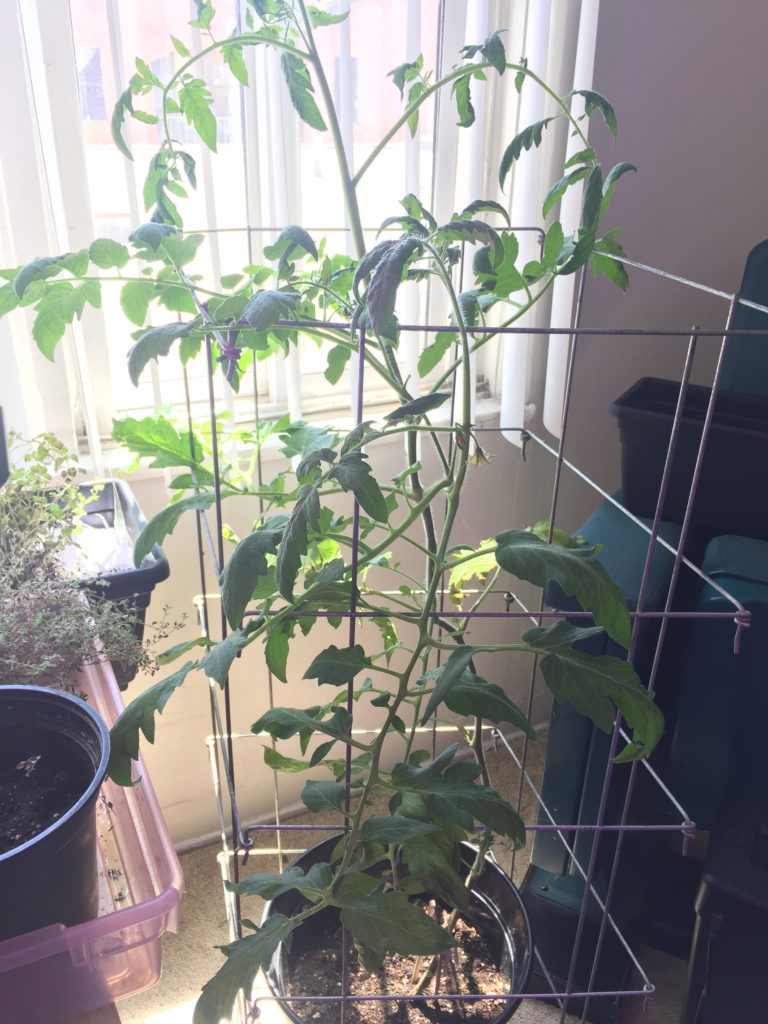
<point x="190" y="957"/>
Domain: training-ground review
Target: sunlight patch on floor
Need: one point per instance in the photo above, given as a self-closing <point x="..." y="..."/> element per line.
<point x="181" y="1014"/>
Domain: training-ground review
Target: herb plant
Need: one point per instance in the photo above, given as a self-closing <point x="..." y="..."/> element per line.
<point x="322" y="542"/>
<point x="47" y="630"/>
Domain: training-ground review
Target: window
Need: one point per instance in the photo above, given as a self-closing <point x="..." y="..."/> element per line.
<point x="71" y="65"/>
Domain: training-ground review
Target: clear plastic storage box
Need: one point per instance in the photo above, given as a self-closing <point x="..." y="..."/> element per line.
<point x="56" y="973"/>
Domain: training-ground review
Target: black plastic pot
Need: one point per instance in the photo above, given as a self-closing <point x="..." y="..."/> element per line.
<point x="732" y="493"/>
<point x="52" y="877"/>
<point x="495" y="909"/>
<point x="131" y="589"/>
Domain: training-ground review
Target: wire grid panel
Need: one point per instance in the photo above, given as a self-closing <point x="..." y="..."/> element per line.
<point x="570" y="1001"/>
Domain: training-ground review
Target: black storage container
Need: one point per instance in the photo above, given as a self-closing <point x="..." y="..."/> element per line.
<point x="732" y="494"/>
<point x="115" y="503"/>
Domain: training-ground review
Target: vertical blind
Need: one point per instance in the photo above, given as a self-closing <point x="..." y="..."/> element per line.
<point x="63" y="183"/>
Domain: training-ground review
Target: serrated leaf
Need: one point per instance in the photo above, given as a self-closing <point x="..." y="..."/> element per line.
<point x="553" y="244"/>
<point x="245" y="958"/>
<point x="196" y="101"/>
<point x="354" y="474"/>
<point x="610" y="268"/>
<point x="561" y="186"/>
<point x="241" y="574"/>
<point x="596" y="687"/>
<point x="37" y="270"/>
<point x="156" y="437"/>
<point x="323" y="796"/>
<point x="300" y="90"/>
<point x="578" y="573"/>
<point x="268" y="886"/>
<point x="135" y="297"/>
<point x="382" y="291"/>
<point x="337" y="665"/>
<point x="410" y="224"/>
<point x="265" y="308"/>
<point x="415" y="208"/>
<point x="160" y="525"/>
<point x="473" y="696"/>
<point x="8" y="299"/>
<point x="472" y="231"/>
<point x="382" y="828"/>
<point x="592" y="200"/>
<point x="461" y="91"/>
<point x="383" y="923"/>
<point x="594" y="101"/>
<point x="528" y="137"/>
<point x="418" y="407"/>
<point x="139" y="717"/>
<point x="124" y="104"/>
<point x="319" y="18"/>
<point x="233" y="58"/>
<point x="106" y="253"/>
<point x="276" y="650"/>
<point x="283" y="723"/>
<point x="294" y="541"/>
<point x="154" y="343"/>
<point x="431" y="355"/>
<point x="493" y="51"/>
<point x="485" y="206"/>
<point x="338" y="357"/>
<point x="446" y="676"/>
<point x="151" y="235"/>
<point x="218" y="659"/>
<point x="313" y="460"/>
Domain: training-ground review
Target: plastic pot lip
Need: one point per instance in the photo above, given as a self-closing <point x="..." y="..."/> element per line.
<point x="59" y="700"/>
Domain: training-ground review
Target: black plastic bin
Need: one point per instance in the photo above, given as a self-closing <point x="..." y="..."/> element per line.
<point x="732" y="495"/>
<point x="115" y="501"/>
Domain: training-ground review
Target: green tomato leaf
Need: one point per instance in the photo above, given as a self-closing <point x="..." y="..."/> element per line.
<point x="528" y="137"/>
<point x="472" y="231"/>
<point x="293" y="545"/>
<point x="594" y="101"/>
<point x="156" y="437"/>
<point x="592" y="201"/>
<point x="320" y="797"/>
<point x="561" y="186"/>
<point x="241" y="574"/>
<point x="265" y="308"/>
<point x="485" y="206"/>
<point x="418" y="407"/>
<point x="107" y="254"/>
<point x="383" y="923"/>
<point x="313" y="884"/>
<point x="338" y="357"/>
<point x="152" y="235"/>
<point x="138" y="717"/>
<point x="245" y="958"/>
<point x="195" y="101"/>
<point x="300" y="90"/>
<point x="135" y="297"/>
<point x="283" y="723"/>
<point x="382" y="828"/>
<point x="337" y="665"/>
<point x="461" y="91"/>
<point x="160" y="525"/>
<point x="576" y="570"/>
<point x="218" y="659"/>
<point x="493" y="51"/>
<point x="354" y="474"/>
<point x="154" y="343"/>
<point x="447" y="675"/>
<point x="596" y="687"/>
<point x="276" y="650"/>
<point x="382" y="291"/>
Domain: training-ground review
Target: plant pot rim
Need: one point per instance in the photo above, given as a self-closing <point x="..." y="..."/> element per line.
<point x="79" y="710"/>
<point x="521" y="968"/>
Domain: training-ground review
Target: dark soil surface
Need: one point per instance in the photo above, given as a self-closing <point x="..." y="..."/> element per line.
<point x="34" y="793"/>
<point x="467" y="970"/>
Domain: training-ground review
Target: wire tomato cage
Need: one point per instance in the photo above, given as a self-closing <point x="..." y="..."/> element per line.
<point x="594" y="844"/>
